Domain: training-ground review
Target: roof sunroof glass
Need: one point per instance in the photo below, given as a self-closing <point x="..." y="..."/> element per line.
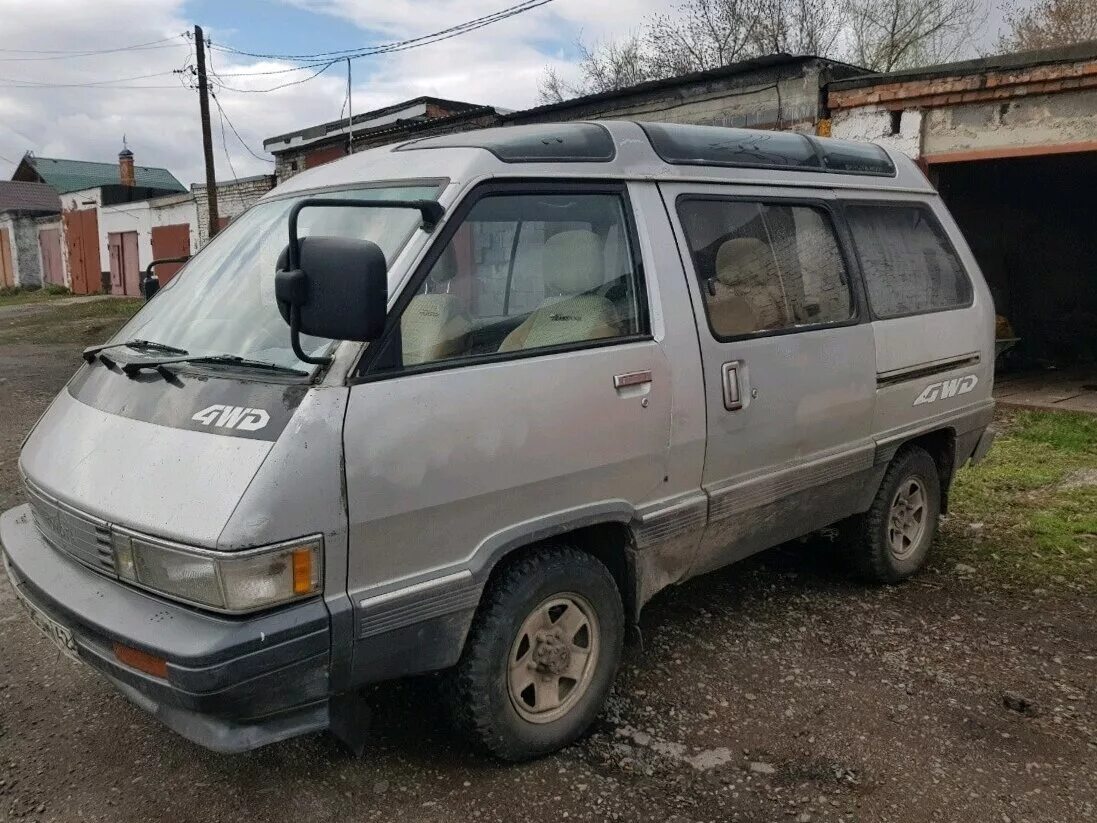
<point x="557" y="143"/>
<point x="855" y="158"/>
<point x="718" y="146"/>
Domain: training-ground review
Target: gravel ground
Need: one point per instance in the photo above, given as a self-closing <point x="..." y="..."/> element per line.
<point x="772" y="691"/>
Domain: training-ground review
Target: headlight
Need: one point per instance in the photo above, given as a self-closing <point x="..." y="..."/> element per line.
<point x="224" y="581"/>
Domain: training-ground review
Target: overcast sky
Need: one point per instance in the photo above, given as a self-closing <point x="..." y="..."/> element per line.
<point x="137" y="94"/>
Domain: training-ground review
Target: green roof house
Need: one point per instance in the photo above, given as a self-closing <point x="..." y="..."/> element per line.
<point x="65" y="176"/>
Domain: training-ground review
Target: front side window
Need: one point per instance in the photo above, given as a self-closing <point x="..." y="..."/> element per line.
<point x="523" y="272"/>
<point x="766" y="267"/>
<point x="908" y="263"/>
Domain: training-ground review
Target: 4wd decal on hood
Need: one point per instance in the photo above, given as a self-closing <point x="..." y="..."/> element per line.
<point x="947" y="388"/>
<point x="213" y="404"/>
<point x="232" y="417"/>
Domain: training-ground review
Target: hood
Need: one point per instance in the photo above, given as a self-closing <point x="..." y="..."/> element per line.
<point x="170" y="458"/>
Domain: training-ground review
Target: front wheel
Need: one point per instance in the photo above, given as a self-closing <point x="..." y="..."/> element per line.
<point x="541" y="654"/>
<point x="890" y="541"/>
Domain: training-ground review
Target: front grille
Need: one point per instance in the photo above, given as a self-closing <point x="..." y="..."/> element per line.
<point x="82" y="537"/>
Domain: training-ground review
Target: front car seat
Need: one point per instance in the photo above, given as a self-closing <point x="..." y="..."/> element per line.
<point x="573" y="266"/>
<point x="435" y="326"/>
<point x="745" y="296"/>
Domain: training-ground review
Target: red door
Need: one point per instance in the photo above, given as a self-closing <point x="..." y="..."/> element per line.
<point x="131" y="264"/>
<point x="49" y="243"/>
<point x="7" y="271"/>
<point x="114" y="252"/>
<point x="124" y="271"/>
<point x="170" y="241"/>
<point x="81" y="229"/>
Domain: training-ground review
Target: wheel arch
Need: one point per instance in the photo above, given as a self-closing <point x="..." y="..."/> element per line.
<point x="606" y="532"/>
<point x="940" y="444"/>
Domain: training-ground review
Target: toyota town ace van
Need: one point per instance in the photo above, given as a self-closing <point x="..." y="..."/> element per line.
<point x="465" y="404"/>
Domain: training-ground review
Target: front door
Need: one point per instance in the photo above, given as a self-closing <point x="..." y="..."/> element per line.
<point x="49" y="242"/>
<point x="7" y="269"/>
<point x="124" y="267"/>
<point x="788" y="361"/>
<point x="517" y="394"/>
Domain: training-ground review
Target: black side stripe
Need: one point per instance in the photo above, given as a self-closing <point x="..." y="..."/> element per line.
<point x="917" y="372"/>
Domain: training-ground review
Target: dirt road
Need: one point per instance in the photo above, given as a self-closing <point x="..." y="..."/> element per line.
<point x="772" y="691"/>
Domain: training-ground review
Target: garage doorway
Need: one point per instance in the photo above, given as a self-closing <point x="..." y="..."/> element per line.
<point x="125" y="270"/>
<point x="167" y="242"/>
<point x="1029" y="221"/>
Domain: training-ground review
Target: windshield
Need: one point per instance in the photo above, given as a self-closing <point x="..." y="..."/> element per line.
<point x="223" y="301"/>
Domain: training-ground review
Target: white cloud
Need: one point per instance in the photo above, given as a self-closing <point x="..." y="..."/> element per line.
<point x="498" y="65"/>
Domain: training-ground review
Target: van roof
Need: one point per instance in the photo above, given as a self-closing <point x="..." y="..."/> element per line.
<point x="629" y="150"/>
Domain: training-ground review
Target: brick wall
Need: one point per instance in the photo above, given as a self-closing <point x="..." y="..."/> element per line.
<point x="1027" y="108"/>
<point x="233" y="199"/>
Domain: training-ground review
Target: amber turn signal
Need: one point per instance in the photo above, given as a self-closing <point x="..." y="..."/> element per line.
<point x="303" y="581"/>
<point x="142" y="661"/>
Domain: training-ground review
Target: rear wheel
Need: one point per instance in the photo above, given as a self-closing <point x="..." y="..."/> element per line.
<point x="890" y="541"/>
<point x="541" y="654"/>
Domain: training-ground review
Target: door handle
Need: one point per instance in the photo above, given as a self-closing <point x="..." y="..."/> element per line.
<point x="632" y="378"/>
<point x="733" y="390"/>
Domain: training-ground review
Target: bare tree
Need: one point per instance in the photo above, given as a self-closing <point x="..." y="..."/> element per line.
<point x="894" y="34"/>
<point x="702" y="34"/>
<point x="699" y="35"/>
<point x="882" y="35"/>
<point x="602" y="67"/>
<point x="800" y="27"/>
<point x="1048" y="23"/>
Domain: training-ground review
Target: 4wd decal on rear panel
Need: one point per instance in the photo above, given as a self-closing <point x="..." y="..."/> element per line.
<point x="947" y="388"/>
<point x="232" y="417"/>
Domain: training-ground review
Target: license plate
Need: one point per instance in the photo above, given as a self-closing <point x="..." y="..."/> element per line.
<point x="60" y="635"/>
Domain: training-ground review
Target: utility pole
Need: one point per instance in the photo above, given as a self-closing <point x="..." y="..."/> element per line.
<point x="350" y="114"/>
<point x="207" y="138"/>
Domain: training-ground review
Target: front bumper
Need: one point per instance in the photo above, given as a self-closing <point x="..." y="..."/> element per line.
<point x="232" y="684"/>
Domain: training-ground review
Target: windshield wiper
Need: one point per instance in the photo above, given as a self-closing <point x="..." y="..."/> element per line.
<point x="89" y="354"/>
<point x="137" y="366"/>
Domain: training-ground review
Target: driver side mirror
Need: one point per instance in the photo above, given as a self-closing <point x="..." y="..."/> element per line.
<point x="338" y="289"/>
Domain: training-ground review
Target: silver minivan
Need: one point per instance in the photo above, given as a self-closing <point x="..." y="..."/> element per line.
<point x="465" y="404"/>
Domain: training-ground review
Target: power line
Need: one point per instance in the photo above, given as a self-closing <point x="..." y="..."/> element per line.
<point x="400" y="45"/>
<point x="222" y="85"/>
<point x="66" y="54"/>
<point x="48" y="86"/>
<point x="224" y="140"/>
<point x="94" y="51"/>
<point x="224" y="114"/>
<point x="37" y="83"/>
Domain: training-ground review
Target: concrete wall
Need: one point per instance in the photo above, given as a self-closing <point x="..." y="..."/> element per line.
<point x="874" y="124"/>
<point x="1045" y="120"/>
<point x="782" y="96"/>
<point x="25" y="256"/>
<point x="141" y="217"/>
<point x="233" y="199"/>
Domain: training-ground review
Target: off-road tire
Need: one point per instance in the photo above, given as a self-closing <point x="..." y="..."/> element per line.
<point x="866" y="536"/>
<point x="479" y="694"/>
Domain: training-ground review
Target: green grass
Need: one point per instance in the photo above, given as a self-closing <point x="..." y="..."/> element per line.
<point x="1029" y="511"/>
<point x="79" y="323"/>
<point x="15" y="296"/>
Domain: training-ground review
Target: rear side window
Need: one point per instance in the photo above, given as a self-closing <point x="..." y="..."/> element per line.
<point x="910" y="267"/>
<point x="766" y="267"/>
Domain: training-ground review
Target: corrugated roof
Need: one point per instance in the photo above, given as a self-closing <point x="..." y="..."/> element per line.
<point x="64" y="176"/>
<point x="20" y="196"/>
